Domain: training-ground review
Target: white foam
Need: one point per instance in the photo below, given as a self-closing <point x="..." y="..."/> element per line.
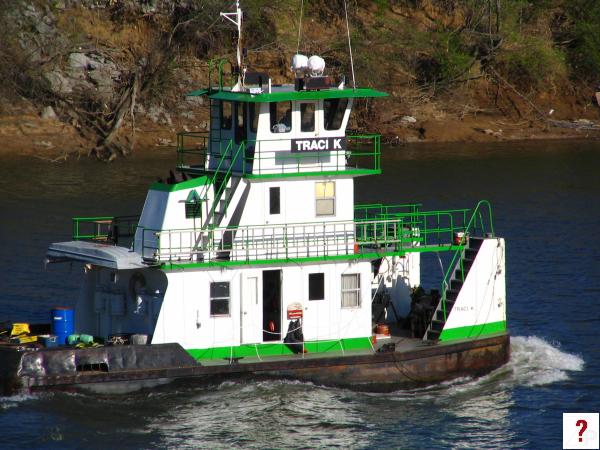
<point x="536" y="362"/>
<point x="15" y="400"/>
<point x="533" y="362"/>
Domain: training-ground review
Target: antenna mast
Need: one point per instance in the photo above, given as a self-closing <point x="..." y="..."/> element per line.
<point x="236" y="18"/>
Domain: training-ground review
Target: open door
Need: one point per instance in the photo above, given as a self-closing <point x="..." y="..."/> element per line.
<point x="271" y="305"/>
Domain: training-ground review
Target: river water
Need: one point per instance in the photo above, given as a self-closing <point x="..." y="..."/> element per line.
<point x="545" y="198"/>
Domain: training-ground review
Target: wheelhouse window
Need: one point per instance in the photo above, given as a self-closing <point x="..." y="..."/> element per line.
<point x="219" y="298"/>
<point x="253" y="109"/>
<point x="240" y="122"/>
<point x="316" y="286"/>
<point x="281" y="117"/>
<point x="274" y="200"/>
<point x="307" y="117"/>
<point x="325" y="198"/>
<point x="351" y="290"/>
<point x="334" y="110"/>
<point x="226" y="115"/>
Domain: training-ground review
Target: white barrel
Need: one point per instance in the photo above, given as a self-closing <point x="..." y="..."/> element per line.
<point x="316" y="65"/>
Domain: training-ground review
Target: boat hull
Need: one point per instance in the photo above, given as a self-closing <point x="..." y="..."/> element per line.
<point x="134" y="367"/>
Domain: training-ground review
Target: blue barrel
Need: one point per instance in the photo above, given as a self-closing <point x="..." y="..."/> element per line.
<point x="63" y="324"/>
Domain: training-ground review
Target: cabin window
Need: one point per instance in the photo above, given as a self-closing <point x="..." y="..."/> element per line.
<point x="316" y="286"/>
<point x="351" y="290"/>
<point x="325" y="198"/>
<point x="254" y="113"/>
<point x="281" y="117"/>
<point x="240" y="122"/>
<point x="334" y="110"/>
<point x="226" y="115"/>
<point x="219" y="298"/>
<point x="307" y="117"/>
<point x="274" y="200"/>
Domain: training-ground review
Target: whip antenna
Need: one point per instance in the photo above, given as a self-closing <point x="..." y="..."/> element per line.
<point x="350" y="45"/>
<point x="236" y="18"/>
<point x="300" y="26"/>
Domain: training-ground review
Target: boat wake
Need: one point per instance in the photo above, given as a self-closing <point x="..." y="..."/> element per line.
<point x="15" y="400"/>
<point x="533" y="362"/>
<point x="536" y="362"/>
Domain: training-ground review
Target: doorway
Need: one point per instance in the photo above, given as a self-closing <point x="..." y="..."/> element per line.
<point x="271" y="305"/>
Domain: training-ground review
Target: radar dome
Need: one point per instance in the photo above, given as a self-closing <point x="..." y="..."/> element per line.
<point x="299" y="63"/>
<point x="316" y="65"/>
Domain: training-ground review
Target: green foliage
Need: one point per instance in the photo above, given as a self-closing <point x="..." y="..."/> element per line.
<point x="532" y="61"/>
<point x="584" y="53"/>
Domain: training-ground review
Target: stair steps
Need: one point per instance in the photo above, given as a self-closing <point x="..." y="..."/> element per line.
<point x="460" y="273"/>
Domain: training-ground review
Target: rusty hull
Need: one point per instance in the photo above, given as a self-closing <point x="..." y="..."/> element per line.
<point x="368" y="372"/>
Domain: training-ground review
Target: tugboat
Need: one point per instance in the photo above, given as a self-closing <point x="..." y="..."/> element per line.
<point x="253" y="259"/>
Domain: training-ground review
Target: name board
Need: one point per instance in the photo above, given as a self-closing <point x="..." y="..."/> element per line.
<point x="319" y="145"/>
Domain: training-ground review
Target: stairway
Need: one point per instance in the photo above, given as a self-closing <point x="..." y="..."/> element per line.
<point x="223" y="192"/>
<point x="461" y="270"/>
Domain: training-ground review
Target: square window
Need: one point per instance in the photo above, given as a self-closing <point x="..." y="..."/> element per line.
<point x="219" y="298"/>
<point x="316" y="286"/>
<point x="351" y="290"/>
<point x="274" y="200"/>
<point x="325" y="198"/>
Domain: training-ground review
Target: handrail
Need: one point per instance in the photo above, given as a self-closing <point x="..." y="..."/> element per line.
<point x="457" y="257"/>
<point x="226" y="177"/>
<point x="274" y="156"/>
<point x="424" y="231"/>
<point x="206" y="187"/>
<point x="104" y="228"/>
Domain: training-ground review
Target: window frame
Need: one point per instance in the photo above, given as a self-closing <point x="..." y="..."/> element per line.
<point x="253" y="116"/>
<point x="215" y="298"/>
<point x="356" y="290"/>
<point x="331" y="198"/>
<point x="273" y="108"/>
<point x="321" y="276"/>
<point x="231" y="114"/>
<point x="314" y="106"/>
<point x="272" y="190"/>
<point x="338" y="110"/>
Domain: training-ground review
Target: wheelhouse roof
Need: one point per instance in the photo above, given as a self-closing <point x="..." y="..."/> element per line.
<point x="284" y="93"/>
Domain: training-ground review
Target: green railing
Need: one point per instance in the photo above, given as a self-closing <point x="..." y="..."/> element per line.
<point x="480" y="222"/>
<point x="224" y="179"/>
<point x="272" y="157"/>
<point x="421" y="231"/>
<point x="429" y="228"/>
<point x="372" y="211"/>
<point x="192" y="145"/>
<point x="109" y="229"/>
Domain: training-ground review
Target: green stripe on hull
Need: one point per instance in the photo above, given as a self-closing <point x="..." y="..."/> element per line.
<point x="278" y="349"/>
<point x="472" y="331"/>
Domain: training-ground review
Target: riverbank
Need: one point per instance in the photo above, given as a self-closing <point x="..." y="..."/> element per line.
<point x="25" y="132"/>
<point x="107" y="78"/>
